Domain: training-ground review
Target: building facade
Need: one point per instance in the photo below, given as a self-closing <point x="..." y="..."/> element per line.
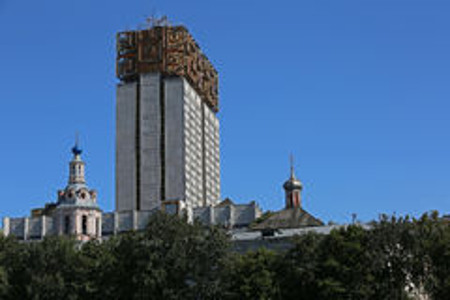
<point x="167" y="151"/>
<point x="167" y="131"/>
<point x="77" y="214"/>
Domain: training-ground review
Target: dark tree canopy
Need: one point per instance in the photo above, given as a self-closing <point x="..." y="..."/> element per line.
<point x="393" y="258"/>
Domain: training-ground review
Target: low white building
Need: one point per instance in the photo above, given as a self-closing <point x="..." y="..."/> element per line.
<point x="76" y="213"/>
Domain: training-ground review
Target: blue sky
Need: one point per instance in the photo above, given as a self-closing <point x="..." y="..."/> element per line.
<point x="358" y="91"/>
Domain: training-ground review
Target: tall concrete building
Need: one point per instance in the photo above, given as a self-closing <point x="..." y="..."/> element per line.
<point x="167" y="151"/>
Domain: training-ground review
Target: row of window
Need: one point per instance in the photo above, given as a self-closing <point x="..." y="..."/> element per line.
<point x="212" y="156"/>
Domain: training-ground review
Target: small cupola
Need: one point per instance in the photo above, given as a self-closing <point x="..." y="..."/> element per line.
<point x="77" y="212"/>
<point x="77" y="193"/>
<point x="293" y="188"/>
<point x="77" y="166"/>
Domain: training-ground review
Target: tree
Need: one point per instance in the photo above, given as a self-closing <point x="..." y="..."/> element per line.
<point x="432" y="253"/>
<point x="11" y="254"/>
<point x="3" y="275"/>
<point x="170" y="260"/>
<point x="299" y="267"/>
<point x="396" y="259"/>
<point x="344" y="271"/>
<point x="50" y="269"/>
<point x="251" y="276"/>
<point x="99" y="263"/>
<point x="3" y="283"/>
<point x="333" y="266"/>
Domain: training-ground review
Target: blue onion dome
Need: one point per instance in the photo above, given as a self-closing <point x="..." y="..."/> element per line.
<point x="76" y="150"/>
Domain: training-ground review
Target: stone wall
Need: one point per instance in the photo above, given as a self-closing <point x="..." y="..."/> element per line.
<point x="229" y="216"/>
<point x="233" y="215"/>
<point x="28" y="228"/>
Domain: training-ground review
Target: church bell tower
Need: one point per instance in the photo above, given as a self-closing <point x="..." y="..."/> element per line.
<point x="77" y="212"/>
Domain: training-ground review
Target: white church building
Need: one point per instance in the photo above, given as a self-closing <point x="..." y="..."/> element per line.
<point x="76" y="213"/>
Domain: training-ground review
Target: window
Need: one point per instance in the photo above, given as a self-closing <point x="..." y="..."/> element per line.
<point x="84" y="224"/>
<point x="66" y="225"/>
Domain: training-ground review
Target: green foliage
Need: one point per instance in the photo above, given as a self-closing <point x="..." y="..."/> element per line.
<point x="299" y="268"/>
<point x="3" y="283"/>
<point x="432" y="254"/>
<point x="4" y="286"/>
<point x="392" y="259"/>
<point x="334" y="266"/>
<point x="251" y="276"/>
<point x="344" y="270"/>
<point x="170" y="260"/>
<point x="51" y="269"/>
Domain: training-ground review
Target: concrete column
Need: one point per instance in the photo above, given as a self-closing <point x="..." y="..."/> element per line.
<point x="26" y="228"/>
<point x="43" y="226"/>
<point x="61" y="224"/>
<point x="126" y="156"/>
<point x="135" y="219"/>
<point x="212" y="217"/>
<point x="232" y="218"/>
<point x="116" y="223"/>
<point x="174" y="180"/>
<point x="75" y="230"/>
<point x="100" y="229"/>
<point x="150" y="119"/>
<point x="254" y="210"/>
<point x="6" y="226"/>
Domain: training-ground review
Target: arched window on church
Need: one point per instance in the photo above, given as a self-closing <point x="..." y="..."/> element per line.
<point x="67" y="225"/>
<point x="84" y="224"/>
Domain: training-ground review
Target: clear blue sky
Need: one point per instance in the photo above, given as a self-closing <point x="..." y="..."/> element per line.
<point x="358" y="91"/>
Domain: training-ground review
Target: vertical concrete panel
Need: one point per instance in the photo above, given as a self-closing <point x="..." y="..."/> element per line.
<point x="50" y="224"/>
<point x="17" y="227"/>
<point x="143" y="219"/>
<point x="135" y="219"/>
<point x="43" y="226"/>
<point x="174" y="139"/>
<point x="98" y="225"/>
<point x="126" y="146"/>
<point x="26" y="229"/>
<point x="194" y="150"/>
<point x="108" y="223"/>
<point x="211" y="140"/>
<point x="125" y="221"/>
<point x="150" y="140"/>
<point x="116" y="222"/>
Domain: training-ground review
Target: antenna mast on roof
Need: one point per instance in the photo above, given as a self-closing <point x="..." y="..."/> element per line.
<point x="292" y="165"/>
<point x="153" y="21"/>
<point x="77" y="139"/>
